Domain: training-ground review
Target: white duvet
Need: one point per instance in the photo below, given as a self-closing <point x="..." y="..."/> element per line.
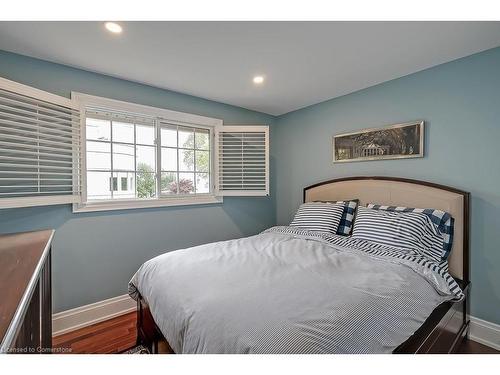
<point x="289" y="291"/>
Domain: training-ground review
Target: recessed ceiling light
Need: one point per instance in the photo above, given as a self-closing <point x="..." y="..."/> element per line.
<point x="113" y="27"/>
<point x="258" y="80"/>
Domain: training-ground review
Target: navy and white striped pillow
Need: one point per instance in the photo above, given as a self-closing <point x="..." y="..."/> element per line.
<point x="409" y="230"/>
<point x="347" y="219"/>
<point x="318" y="216"/>
<point x="441" y="219"/>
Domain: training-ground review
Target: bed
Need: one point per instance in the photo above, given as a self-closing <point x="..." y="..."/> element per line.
<point x="289" y="290"/>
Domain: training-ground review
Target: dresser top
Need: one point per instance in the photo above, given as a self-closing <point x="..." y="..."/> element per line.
<point x="21" y="258"/>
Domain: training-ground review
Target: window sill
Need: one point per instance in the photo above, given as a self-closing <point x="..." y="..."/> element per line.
<point x="134" y="204"/>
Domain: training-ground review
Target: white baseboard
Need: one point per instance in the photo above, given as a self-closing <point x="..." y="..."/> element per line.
<point x="485" y="332"/>
<point x="83" y="316"/>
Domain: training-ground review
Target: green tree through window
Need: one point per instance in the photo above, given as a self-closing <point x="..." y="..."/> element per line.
<point x="145" y="181"/>
<point x="202" y="158"/>
<point x="146" y="185"/>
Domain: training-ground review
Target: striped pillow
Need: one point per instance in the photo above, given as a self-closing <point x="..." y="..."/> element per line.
<point x="441" y="219"/>
<point x="409" y="230"/>
<point x="318" y="216"/>
<point x="347" y="219"/>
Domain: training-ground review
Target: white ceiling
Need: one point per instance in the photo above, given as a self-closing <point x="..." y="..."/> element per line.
<point x="303" y="62"/>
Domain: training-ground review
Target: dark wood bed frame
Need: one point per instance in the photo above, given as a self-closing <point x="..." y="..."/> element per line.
<point x="442" y="332"/>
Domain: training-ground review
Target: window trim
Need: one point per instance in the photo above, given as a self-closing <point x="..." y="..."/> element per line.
<point x="174" y="117"/>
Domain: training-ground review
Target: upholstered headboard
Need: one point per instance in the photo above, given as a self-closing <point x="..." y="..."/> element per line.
<point x="410" y="193"/>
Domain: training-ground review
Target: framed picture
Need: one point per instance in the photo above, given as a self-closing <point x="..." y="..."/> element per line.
<point x="389" y="142"/>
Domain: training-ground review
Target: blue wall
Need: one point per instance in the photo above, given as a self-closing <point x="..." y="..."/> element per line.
<point x="460" y="103"/>
<point x="95" y="254"/>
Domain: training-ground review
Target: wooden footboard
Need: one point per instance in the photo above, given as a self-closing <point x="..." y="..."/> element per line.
<point x="148" y="333"/>
<point x="444" y="329"/>
<point x="442" y="332"/>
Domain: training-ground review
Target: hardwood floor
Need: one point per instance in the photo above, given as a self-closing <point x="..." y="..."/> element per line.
<point x="111" y="336"/>
<point x="119" y="334"/>
<point x="472" y="347"/>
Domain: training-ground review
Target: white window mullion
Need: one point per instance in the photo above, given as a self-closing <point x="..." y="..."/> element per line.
<point x="177" y="151"/>
<point x="158" y="157"/>
<point x="194" y="160"/>
<point x="135" y="158"/>
<point x="211" y="160"/>
<point x="111" y="185"/>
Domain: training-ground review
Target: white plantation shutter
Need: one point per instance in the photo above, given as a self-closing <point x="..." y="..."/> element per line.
<point x="242" y="157"/>
<point x="39" y="147"/>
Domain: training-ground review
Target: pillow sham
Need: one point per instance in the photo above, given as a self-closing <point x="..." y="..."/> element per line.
<point x="441" y="219"/>
<point x="409" y="230"/>
<point x="318" y="216"/>
<point x="347" y="219"/>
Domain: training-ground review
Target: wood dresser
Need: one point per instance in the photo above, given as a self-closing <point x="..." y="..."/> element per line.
<point x="25" y="290"/>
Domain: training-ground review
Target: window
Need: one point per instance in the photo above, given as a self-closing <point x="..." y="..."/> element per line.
<point x="185" y="160"/>
<point x="120" y="147"/>
<point x="102" y="154"/>
<point x="39" y="147"/>
<point x="138" y="156"/>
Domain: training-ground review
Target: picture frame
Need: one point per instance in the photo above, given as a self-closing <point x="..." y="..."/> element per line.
<point x="397" y="141"/>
